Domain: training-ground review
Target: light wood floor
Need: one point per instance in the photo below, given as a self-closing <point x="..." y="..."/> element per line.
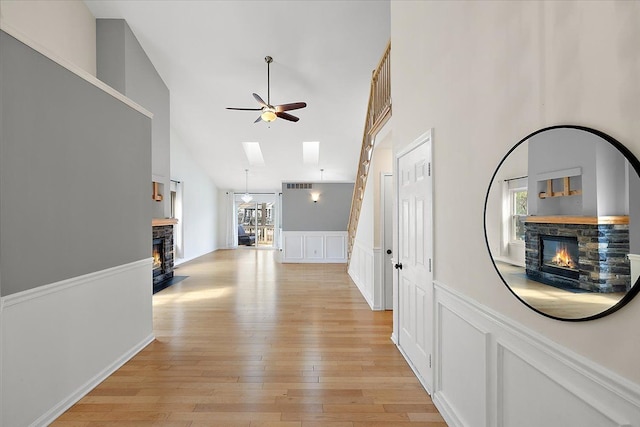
<point x="554" y="301"/>
<point x="248" y="342"/>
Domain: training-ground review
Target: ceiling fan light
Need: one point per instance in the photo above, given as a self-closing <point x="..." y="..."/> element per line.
<point x="268" y="116"/>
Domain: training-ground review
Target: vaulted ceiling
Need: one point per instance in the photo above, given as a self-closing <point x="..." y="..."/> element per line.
<point x="211" y="55"/>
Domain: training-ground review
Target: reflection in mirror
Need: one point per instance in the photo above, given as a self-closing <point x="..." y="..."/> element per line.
<point x="558" y="218"/>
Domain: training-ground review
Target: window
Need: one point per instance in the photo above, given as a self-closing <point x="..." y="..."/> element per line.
<point x="518" y="202"/>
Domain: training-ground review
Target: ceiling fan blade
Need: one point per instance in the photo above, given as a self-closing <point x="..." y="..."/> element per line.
<point x="259" y="119"/>
<point x="287" y="116"/>
<point x="260" y="100"/>
<point x="289" y="107"/>
<point x="244" y="109"/>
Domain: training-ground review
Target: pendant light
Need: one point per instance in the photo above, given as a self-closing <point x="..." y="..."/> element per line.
<point x="246" y="197"/>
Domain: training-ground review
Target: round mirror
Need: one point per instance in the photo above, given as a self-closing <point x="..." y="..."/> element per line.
<point x="561" y="222"/>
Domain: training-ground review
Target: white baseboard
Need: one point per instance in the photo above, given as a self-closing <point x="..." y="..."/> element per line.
<point x="490" y="371"/>
<point x="65" y="404"/>
<point x="62" y="339"/>
<point x="314" y="247"/>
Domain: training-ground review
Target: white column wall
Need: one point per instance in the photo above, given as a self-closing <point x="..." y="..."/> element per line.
<point x="483" y="75"/>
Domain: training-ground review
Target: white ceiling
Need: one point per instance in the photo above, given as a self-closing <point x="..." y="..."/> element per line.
<point x="211" y="55"/>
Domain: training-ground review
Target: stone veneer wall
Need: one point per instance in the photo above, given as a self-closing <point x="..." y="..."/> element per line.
<point x="164" y="232"/>
<point x="603" y="262"/>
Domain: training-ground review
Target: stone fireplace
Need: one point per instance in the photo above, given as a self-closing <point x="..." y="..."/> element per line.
<point x="584" y="253"/>
<point x="162" y="252"/>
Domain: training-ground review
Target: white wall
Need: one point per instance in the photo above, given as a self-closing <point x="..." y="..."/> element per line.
<point x="483" y="75"/>
<point x="362" y="263"/>
<point x="66" y="28"/>
<point x="200" y="202"/>
<point x="365" y="267"/>
<point x="382" y="163"/>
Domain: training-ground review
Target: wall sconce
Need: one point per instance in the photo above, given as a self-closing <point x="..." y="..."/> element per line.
<point x="315" y="197"/>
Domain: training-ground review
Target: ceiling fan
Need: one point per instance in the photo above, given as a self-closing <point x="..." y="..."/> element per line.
<point x="271" y="112"/>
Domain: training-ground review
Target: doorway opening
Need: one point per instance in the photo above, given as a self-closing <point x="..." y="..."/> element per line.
<point x="256" y="221"/>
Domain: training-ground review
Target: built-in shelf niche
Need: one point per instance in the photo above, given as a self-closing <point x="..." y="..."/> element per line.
<point x="158" y="190"/>
<point x="564" y="175"/>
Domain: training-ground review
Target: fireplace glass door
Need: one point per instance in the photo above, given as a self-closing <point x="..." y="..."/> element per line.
<point x="559" y="255"/>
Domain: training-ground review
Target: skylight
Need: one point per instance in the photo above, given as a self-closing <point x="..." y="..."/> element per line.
<point x="253" y="152"/>
<point x="311" y="152"/>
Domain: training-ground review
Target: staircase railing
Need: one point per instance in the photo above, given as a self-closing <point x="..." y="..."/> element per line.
<point x="378" y="112"/>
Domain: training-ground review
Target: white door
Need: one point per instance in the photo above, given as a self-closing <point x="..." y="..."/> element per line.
<point x="415" y="292"/>
<point x="387" y="240"/>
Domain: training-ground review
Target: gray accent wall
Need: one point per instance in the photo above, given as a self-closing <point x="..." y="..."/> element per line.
<point x="603" y="183"/>
<point x="74" y="174"/>
<point x="331" y="213"/>
<point x="124" y="65"/>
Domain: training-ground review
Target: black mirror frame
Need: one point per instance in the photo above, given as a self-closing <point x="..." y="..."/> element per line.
<point x="633" y="161"/>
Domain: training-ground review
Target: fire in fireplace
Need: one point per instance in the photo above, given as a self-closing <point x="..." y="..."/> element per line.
<point x="559" y="255"/>
<point x="158" y="257"/>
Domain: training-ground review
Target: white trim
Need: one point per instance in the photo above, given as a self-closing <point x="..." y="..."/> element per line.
<point x="624" y="388"/>
<point x="90" y="325"/>
<point x="383" y="266"/>
<point x="394" y="338"/>
<point x="51" y="415"/>
<point x="559" y="174"/>
<point x="425" y="137"/>
<point x="633" y="257"/>
<point x="30" y="294"/>
<point x="378" y="280"/>
<point x="15" y="33"/>
<point x="634" y="261"/>
<point x="447" y="410"/>
<point x="571" y="377"/>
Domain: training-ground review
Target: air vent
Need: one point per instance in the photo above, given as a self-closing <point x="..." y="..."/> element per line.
<point x="299" y="186"/>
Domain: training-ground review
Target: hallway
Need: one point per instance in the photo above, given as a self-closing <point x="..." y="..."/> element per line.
<point x="247" y="342"/>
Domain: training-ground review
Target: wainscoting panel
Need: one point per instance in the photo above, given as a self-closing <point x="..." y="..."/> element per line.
<point x="336" y="247"/>
<point x="292" y="247"/>
<point x="491" y="371"/>
<point x="526" y="406"/>
<point x="361" y="271"/>
<point x="461" y="381"/>
<point x="314" y="246"/>
<point x="61" y="340"/>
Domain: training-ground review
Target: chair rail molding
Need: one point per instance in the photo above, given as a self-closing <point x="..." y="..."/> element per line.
<point x="90" y="325"/>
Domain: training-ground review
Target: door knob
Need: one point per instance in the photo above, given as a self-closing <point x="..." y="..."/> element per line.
<point x="388" y="251"/>
<point x="398" y="266"/>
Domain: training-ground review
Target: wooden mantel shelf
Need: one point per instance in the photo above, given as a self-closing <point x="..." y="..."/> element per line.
<point x="585" y="220"/>
<point x="157" y="222"/>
